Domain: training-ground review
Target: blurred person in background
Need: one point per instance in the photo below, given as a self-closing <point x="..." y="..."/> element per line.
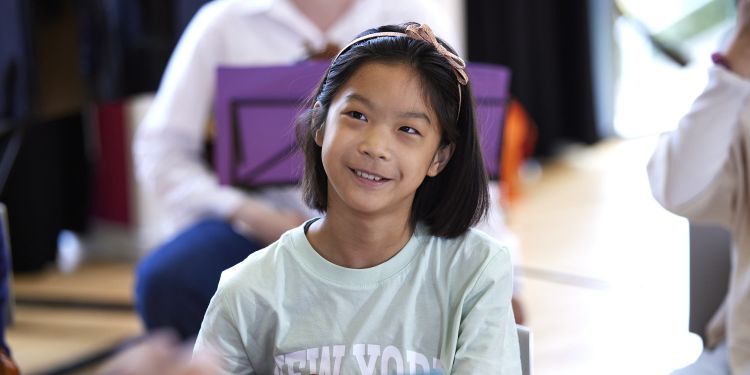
<point x="702" y="171"/>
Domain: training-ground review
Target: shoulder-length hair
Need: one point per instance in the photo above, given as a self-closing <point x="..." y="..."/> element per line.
<point x="449" y="203"/>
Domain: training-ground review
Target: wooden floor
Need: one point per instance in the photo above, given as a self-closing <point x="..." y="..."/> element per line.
<point x="603" y="277"/>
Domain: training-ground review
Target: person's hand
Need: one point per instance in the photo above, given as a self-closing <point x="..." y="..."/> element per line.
<point x="262" y="222"/>
<point x="7" y="365"/>
<point x="739" y="50"/>
<point x="160" y="353"/>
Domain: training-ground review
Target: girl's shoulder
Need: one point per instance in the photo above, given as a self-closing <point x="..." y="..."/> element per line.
<point x="474" y="241"/>
<point x="496" y="254"/>
<point x="262" y="267"/>
<point x="473" y="249"/>
<point x="472" y="260"/>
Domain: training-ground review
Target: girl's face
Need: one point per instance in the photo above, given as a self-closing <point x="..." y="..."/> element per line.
<point x="379" y="141"/>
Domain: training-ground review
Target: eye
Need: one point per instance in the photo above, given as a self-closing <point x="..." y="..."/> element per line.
<point x="409" y="130"/>
<point x="357" y="115"/>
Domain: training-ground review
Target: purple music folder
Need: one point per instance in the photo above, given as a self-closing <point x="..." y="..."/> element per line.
<point x="256" y="108"/>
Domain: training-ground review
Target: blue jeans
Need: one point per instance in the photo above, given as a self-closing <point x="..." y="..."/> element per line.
<point x="175" y="283"/>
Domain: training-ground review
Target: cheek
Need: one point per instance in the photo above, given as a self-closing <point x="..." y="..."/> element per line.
<point x="420" y="164"/>
<point x="325" y="156"/>
<point x="330" y="149"/>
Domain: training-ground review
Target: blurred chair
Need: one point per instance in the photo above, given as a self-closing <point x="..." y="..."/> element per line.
<point x="526" y="344"/>
<point x="256" y="108"/>
<point x="710" y="265"/>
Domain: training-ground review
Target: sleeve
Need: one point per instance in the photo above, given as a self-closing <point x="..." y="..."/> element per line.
<point x="692" y="171"/>
<point x="168" y="144"/>
<point x="219" y="337"/>
<point x="488" y="341"/>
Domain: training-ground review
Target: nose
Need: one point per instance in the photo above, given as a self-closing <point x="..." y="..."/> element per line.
<point x="375" y="143"/>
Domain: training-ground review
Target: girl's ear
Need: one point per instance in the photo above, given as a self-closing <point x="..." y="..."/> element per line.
<point x="318" y="136"/>
<point x="442" y="156"/>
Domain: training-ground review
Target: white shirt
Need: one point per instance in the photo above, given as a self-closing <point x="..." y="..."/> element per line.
<point x="437" y="306"/>
<point x="702" y="171"/>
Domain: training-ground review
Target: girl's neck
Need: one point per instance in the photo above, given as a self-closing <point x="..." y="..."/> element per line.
<point x="357" y="241"/>
<point x="323" y="13"/>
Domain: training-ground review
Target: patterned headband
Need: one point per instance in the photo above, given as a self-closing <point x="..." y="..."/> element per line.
<point x="424" y="33"/>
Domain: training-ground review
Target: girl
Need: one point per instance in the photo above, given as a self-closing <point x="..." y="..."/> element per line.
<point x="391" y="279"/>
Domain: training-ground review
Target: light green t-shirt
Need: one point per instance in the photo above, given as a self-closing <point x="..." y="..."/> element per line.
<point x="438" y="306"/>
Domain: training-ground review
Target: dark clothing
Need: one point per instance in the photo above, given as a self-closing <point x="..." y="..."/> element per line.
<point x="175" y="283"/>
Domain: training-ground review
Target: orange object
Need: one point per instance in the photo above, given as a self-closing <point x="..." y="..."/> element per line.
<point x="519" y="139"/>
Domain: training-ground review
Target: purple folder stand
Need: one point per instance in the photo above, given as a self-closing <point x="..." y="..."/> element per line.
<point x="256" y="108"/>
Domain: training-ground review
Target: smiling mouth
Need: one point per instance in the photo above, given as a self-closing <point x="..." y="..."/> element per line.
<point x="368" y="176"/>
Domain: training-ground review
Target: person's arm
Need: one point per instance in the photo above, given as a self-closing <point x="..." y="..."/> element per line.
<point x="494" y="225"/>
<point x="738" y="53"/>
<point x="219" y="337"/>
<point x="694" y="171"/>
<point x="488" y="341"/>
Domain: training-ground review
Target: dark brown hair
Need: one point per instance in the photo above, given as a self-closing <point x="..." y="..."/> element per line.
<point x="449" y="203"/>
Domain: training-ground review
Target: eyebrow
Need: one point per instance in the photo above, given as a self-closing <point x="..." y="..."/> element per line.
<point x="370" y="105"/>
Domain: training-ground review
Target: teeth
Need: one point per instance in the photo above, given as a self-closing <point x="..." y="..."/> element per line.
<point x="368" y="176"/>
